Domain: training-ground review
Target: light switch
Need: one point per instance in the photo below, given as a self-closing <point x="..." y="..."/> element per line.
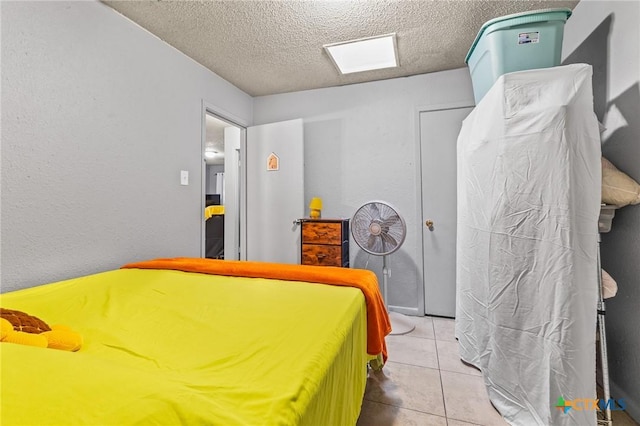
<point x="184" y="177"/>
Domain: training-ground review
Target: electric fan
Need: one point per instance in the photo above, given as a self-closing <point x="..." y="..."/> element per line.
<point x="378" y="229"/>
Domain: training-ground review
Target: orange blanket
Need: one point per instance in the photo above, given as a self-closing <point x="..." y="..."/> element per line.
<point x="378" y="324"/>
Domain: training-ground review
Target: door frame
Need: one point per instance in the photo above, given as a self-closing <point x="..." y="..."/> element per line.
<point x="221" y="114"/>
<point x="420" y="202"/>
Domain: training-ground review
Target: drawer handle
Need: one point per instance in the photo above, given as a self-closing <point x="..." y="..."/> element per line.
<point x="321" y="256"/>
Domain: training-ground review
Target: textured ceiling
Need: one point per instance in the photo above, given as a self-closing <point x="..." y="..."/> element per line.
<point x="268" y="47"/>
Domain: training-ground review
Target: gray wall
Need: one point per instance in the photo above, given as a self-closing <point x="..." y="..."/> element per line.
<point x="98" y="119"/>
<point x="361" y="145"/>
<point x="605" y="34"/>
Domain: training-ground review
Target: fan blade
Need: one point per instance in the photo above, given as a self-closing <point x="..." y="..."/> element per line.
<point x="363" y="222"/>
<point x="388" y="222"/>
<point x="389" y="239"/>
<point x="375" y="212"/>
<point x="371" y="242"/>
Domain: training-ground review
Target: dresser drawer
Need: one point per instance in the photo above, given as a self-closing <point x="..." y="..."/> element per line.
<point x="322" y="255"/>
<point x="325" y="242"/>
<point x="322" y="233"/>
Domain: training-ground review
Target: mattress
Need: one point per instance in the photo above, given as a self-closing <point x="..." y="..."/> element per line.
<point x="171" y="347"/>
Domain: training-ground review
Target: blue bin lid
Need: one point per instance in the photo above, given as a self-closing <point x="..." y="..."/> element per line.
<point x="557" y="14"/>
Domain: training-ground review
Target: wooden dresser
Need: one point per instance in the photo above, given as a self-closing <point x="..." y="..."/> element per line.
<point x="325" y="242"/>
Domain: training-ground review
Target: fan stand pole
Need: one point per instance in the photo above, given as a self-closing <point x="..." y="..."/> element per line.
<point x="400" y="324"/>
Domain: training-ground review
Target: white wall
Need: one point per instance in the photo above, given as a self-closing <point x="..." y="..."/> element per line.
<point x="360" y="145"/>
<point x="605" y="34"/>
<point x="98" y="119"/>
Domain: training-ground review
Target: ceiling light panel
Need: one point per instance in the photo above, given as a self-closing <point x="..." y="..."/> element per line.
<point x="371" y="53"/>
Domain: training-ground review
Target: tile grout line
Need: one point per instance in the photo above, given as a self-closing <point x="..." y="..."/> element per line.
<point x="405" y="408"/>
<point x="451" y="370"/>
<point x="414" y="337"/>
<point x="417" y="366"/>
<point x="444" y="404"/>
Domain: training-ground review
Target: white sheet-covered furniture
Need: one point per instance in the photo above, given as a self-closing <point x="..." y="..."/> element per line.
<point x="529" y="178"/>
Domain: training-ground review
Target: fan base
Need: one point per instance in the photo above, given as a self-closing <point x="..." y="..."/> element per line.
<point x="400" y="324"/>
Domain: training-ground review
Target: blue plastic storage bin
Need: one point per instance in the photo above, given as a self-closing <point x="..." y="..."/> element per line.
<point x="517" y="42"/>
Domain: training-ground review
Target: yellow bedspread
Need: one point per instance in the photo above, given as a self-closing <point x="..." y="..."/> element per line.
<point x="169" y="347"/>
<point x="212" y="211"/>
<point x="378" y="323"/>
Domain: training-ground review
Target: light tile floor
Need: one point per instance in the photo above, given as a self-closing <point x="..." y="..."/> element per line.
<point x="424" y="383"/>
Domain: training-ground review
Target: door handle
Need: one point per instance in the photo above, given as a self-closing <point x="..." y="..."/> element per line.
<point x="429" y="224"/>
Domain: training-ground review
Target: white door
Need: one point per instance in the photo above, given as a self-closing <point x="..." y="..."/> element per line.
<point x="275" y="191"/>
<point x="231" y="191"/>
<point x="438" y="137"/>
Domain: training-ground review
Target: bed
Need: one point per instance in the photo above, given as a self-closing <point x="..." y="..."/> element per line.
<point x="173" y="341"/>
<point x="214" y="232"/>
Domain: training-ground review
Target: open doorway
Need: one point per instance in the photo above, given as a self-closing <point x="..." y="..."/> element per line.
<point x="222" y="187"/>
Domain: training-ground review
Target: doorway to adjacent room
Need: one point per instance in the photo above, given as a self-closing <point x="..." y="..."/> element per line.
<point x="222" y="187"/>
<point x="251" y="206"/>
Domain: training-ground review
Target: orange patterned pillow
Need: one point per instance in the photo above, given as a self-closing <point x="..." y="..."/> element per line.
<point x="19" y="327"/>
<point x="24" y="322"/>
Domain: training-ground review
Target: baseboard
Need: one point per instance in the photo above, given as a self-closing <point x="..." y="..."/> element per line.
<point x="404" y="310"/>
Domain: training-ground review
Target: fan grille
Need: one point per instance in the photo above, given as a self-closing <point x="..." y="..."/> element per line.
<point x="377" y="228"/>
